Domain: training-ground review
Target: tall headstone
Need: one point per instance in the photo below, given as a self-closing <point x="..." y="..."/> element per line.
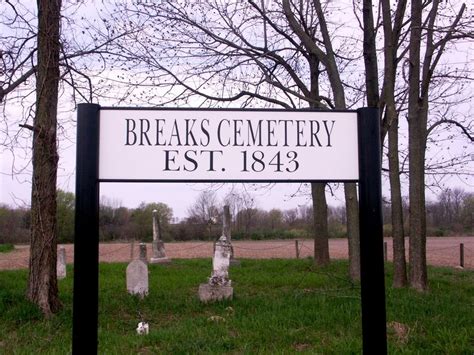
<point x="219" y="286"/>
<point x="158" y="247"/>
<point x="61" y="263"/>
<point x="137" y="278"/>
<point x="227" y="221"/>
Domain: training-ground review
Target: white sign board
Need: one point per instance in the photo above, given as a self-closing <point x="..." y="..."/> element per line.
<point x="239" y="145"/>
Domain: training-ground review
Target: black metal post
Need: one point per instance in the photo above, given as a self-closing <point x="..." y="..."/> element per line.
<point x="86" y="232"/>
<point x="461" y="255"/>
<point x="374" y="329"/>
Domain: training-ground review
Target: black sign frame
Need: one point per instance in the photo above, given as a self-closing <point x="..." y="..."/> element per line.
<point x="86" y="232"/>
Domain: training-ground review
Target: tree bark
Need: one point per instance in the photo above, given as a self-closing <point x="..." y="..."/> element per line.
<point x="320" y="207"/>
<point x="321" y="243"/>
<point x="352" y="211"/>
<point x="372" y="93"/>
<point x="42" y="280"/>
<point x="417" y="125"/>
<point x="398" y="234"/>
<point x="370" y="56"/>
<point x="418" y="269"/>
<point x="416" y="151"/>
<point x="390" y="124"/>
<point x="352" y="223"/>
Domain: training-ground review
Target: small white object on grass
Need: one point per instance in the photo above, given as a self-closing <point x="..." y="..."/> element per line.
<point x="143" y="328"/>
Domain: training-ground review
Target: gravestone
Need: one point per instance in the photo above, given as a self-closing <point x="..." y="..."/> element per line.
<point x="158" y="247"/>
<point x="61" y="263"/>
<point x="137" y="278"/>
<point x="219" y="286"/>
<point x="227" y="233"/>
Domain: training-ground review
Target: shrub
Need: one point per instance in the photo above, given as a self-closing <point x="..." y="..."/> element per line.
<point x="337" y="231"/>
<point x="436" y="232"/>
<point x="5" y="248"/>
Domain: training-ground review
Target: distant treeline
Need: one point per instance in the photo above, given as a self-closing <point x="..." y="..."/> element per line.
<point x="452" y="213"/>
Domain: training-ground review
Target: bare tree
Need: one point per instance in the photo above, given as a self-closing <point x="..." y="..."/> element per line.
<point x="275" y="217"/>
<point x="327" y="58"/>
<point x="246" y="53"/>
<point x="450" y="203"/>
<point x="433" y="37"/>
<point x="386" y="102"/>
<point x="242" y="205"/>
<point x="435" y="26"/>
<point x="205" y="208"/>
<point x="290" y="217"/>
<point x="38" y="65"/>
<point x="42" y="282"/>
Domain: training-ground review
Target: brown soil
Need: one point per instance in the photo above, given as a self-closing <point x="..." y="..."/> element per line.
<point x="443" y="251"/>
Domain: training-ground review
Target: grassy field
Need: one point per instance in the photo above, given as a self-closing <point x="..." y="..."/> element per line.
<point x="280" y="307"/>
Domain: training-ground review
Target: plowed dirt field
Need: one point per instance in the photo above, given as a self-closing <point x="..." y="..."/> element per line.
<point x="441" y="251"/>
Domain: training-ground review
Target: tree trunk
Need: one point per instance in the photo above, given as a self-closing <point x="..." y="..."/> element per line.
<point x="320" y="211"/>
<point x="418" y="269"/>
<point x="416" y="152"/>
<point x="353" y="235"/>
<point x="372" y="93"/>
<point x="352" y="211"/>
<point x="42" y="280"/>
<point x="370" y="56"/>
<point x="398" y="234"/>
<point x="320" y="207"/>
<point x="390" y="125"/>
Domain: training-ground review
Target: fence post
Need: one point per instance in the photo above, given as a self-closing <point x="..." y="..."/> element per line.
<point x="385" y="251"/>
<point x="461" y="255"/>
<point x="297" y="249"/>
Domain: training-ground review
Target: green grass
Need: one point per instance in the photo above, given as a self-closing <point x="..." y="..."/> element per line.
<point x="5" y="248"/>
<point x="279" y="307"/>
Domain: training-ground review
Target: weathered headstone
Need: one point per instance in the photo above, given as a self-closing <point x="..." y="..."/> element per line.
<point x="227" y="234"/>
<point x="219" y="286"/>
<point x="137" y="278"/>
<point x="158" y="247"/>
<point x="61" y="263"/>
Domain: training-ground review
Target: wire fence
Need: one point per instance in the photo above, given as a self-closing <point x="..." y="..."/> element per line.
<point x="438" y="252"/>
<point x="456" y="254"/>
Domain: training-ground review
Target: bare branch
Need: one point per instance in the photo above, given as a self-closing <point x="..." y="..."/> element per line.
<point x="464" y="129"/>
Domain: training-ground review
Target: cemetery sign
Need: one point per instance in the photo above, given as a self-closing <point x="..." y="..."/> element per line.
<point x="205" y="145"/>
<point x="227" y="145"/>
